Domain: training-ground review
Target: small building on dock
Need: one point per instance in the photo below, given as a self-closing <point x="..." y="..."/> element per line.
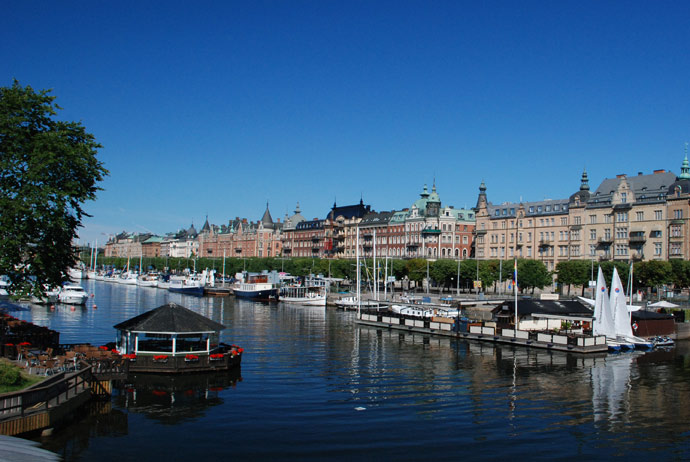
<point x="544" y="314"/>
<point x="173" y="339"/>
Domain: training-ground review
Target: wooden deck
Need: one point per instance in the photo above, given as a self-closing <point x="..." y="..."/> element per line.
<point x="49" y="402"/>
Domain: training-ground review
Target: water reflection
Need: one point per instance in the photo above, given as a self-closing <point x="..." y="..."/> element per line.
<point x="171" y="399"/>
<point x="316" y="386"/>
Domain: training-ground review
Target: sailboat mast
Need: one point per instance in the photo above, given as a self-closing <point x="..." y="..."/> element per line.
<point x="358" y="276"/>
<point x="376" y="273"/>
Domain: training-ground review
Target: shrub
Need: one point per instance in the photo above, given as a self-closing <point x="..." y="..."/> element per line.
<point x="9" y="375"/>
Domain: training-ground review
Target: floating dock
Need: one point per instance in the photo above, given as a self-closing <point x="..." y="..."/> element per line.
<point x="454" y="327"/>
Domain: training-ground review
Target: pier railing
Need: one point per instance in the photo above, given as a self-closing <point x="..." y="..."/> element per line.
<point x="46" y="395"/>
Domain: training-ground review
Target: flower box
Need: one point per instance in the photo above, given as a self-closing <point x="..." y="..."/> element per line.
<point x="191" y="358"/>
<point x="131" y="357"/>
<point x="216" y="356"/>
<point x="160" y="359"/>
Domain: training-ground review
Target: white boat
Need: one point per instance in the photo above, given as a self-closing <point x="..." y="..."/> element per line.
<point x="4" y="286"/>
<point x="75" y="273"/>
<point x="303" y="295"/>
<point x="621" y="316"/>
<point x="264" y="286"/>
<point x="129" y="278"/>
<point x="189" y="285"/>
<point x="148" y="280"/>
<point x="350" y="302"/>
<point x="612" y="317"/>
<point x="73" y="294"/>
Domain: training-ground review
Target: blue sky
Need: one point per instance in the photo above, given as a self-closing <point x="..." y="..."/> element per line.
<point x="219" y="107"/>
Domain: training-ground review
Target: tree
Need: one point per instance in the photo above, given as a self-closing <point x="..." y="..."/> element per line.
<point x="532" y="274"/>
<point x="444" y="272"/>
<point x="652" y="273"/>
<point x="48" y="169"/>
<point x="577" y="272"/>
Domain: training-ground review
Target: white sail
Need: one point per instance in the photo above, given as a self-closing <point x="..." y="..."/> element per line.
<point x="619" y="307"/>
<point x="603" y="318"/>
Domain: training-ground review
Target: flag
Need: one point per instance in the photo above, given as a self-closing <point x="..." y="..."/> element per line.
<point x="514" y="282"/>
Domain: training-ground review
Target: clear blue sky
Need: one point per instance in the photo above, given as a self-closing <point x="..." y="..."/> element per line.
<point x="218" y="107"/>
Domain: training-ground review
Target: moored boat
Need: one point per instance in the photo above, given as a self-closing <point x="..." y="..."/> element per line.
<point x="263" y="286"/>
<point x="73" y="294"/>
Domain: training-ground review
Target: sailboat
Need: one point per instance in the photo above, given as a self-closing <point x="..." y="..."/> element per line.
<point x="621" y="315"/>
<point x="603" y="323"/>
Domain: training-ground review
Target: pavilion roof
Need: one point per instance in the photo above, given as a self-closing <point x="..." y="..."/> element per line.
<point x="170" y="318"/>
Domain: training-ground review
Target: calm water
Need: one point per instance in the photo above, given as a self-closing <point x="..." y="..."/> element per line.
<point x="315" y="386"/>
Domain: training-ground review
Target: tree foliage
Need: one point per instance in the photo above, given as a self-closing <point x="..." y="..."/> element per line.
<point x="652" y="273"/>
<point x="532" y="274"/>
<point x="574" y="272"/>
<point x="48" y="169"/>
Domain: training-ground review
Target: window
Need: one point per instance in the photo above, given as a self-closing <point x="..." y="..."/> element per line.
<point x="539" y="209"/>
<point x="658" y="215"/>
<point x="639" y="216"/>
<point x="657" y="248"/>
<point x="564" y="221"/>
<point x="676" y="231"/>
<point x="592" y="219"/>
<point x="578" y="220"/>
<point x="592" y="250"/>
<point x="655" y="233"/>
<point x="621" y="249"/>
<point x="624" y="197"/>
<point x="592" y="234"/>
<point x="678" y="214"/>
<point x="621" y="233"/>
<point x="548" y="208"/>
<point x="607" y="233"/>
<point x="531" y="209"/>
<point x="676" y="249"/>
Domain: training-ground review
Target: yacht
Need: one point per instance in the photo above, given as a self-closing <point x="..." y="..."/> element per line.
<point x="73" y="294"/>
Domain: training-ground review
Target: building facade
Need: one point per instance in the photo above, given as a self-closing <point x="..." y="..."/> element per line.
<point x="627" y="218"/>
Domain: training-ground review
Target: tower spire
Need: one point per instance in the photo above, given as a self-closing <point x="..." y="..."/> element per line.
<point x="584" y="181"/>
<point x="685" y="167"/>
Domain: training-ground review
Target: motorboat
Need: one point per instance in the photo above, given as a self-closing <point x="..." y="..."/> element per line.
<point x="304" y="295"/>
<point x="264" y="286"/>
<point x="188" y="285"/>
<point x="73" y="294"/>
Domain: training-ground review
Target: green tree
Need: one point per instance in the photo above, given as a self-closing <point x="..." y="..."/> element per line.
<point x="652" y="273"/>
<point x="680" y="270"/>
<point x="444" y="272"/>
<point x="48" y="169"/>
<point x="532" y="274"/>
<point x="416" y="270"/>
<point x="574" y="272"/>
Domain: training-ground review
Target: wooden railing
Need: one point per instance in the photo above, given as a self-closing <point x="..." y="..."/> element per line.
<point x="48" y="394"/>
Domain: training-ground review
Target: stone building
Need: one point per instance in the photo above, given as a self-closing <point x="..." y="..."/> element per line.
<point x="627" y="218"/>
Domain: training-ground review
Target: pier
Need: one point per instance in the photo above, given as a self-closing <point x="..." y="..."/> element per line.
<point x="453" y="327"/>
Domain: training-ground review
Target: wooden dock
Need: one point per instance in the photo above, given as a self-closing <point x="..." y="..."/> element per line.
<point x="50" y="402"/>
<point x="475" y="331"/>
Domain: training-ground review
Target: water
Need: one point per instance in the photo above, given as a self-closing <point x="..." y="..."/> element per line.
<point x="315" y="386"/>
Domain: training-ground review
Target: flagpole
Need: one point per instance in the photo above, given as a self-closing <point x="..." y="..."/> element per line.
<point x="515" y="283"/>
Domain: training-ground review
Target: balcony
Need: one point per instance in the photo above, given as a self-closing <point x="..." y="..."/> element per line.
<point x="315" y="239"/>
<point x="545" y="242"/>
<point x="637" y="239"/>
<point x="412" y="245"/>
<point x="676" y="238"/>
<point x="431" y="231"/>
<point x="479" y="232"/>
<point x="606" y="240"/>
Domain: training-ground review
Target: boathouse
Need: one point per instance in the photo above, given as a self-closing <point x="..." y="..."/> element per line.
<point x="172" y="338"/>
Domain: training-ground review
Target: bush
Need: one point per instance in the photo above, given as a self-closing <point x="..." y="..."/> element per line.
<point x="9" y="375"/>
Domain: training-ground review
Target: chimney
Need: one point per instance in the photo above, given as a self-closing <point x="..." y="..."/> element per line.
<point x="659" y="171"/>
<point x="639" y="173"/>
<point x="620" y="175"/>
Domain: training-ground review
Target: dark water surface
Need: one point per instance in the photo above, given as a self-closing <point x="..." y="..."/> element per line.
<point x="315" y="386"/>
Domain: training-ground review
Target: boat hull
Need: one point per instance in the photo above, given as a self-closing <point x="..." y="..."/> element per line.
<point x="196" y="291"/>
<point x="262" y="295"/>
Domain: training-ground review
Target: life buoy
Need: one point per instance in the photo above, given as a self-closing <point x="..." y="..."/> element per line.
<point x="634" y="326"/>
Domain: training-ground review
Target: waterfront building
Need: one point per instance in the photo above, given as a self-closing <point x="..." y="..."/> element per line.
<point x="127" y="245"/>
<point x="341" y="229"/>
<point x="241" y="238"/>
<point x="534" y="230"/>
<point x="627" y="218"/>
<point x="435" y="232"/>
<point x="151" y="247"/>
<point x="183" y="244"/>
<point x="289" y="231"/>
